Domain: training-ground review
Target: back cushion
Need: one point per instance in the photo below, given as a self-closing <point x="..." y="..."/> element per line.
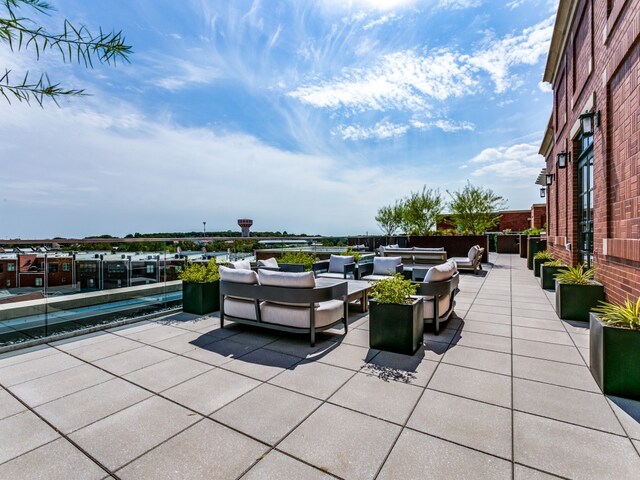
<point x="269" y="262"/>
<point x="385" y="265"/>
<point x="238" y="276"/>
<point x="472" y="252"/>
<point x="287" y="279"/>
<point x="241" y="265"/>
<point x="337" y="263"/>
<point x="441" y="272"/>
<point x="429" y="249"/>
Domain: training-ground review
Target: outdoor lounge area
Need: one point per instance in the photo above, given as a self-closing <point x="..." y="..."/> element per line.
<point x="504" y="391"/>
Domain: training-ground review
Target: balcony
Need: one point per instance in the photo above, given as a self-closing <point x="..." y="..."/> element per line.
<point x="503" y="392"/>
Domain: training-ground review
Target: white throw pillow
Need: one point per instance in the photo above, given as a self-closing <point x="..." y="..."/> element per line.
<point x="238" y="275"/>
<point x="269" y="262"/>
<point x="287" y="279"/>
<point x="385" y="265"/>
<point x="473" y="251"/>
<point x="441" y="272"/>
<point x="337" y="263"/>
<point x="241" y="265"/>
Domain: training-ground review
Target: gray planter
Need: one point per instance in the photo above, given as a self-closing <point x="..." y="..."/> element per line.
<point x="614" y="358"/>
<point x="573" y="302"/>
<point x="396" y="327"/>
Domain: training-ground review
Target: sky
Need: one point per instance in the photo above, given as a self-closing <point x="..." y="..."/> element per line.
<point x="306" y="116"/>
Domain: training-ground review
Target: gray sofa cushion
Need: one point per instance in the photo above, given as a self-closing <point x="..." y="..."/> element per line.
<point x="385" y="265"/>
<point x="337" y="263"/>
<point x="441" y="272"/>
<point x="241" y="265"/>
<point x="269" y="262"/>
<point x="287" y="279"/>
<point x="326" y="313"/>
<point x="428" y="304"/>
<point x="331" y="275"/>
<point x="238" y="275"/>
<point x="240" y="307"/>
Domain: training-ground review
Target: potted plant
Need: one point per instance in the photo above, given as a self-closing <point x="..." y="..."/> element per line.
<point x="200" y="288"/>
<point x="614" y="336"/>
<point x="539" y="258"/>
<point x="577" y="293"/>
<point x="548" y="272"/>
<point x="396" y="320"/>
<point x="296" y="261"/>
<point x="534" y="245"/>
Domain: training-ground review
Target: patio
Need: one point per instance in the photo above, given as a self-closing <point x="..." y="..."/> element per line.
<point x="503" y="392"/>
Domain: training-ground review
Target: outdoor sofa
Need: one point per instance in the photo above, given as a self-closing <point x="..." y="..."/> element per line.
<point x="416" y="255"/>
<point x="285" y="301"/>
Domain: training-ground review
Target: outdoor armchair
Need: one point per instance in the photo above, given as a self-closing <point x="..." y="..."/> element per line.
<point x="382" y="267"/>
<point x="338" y="266"/>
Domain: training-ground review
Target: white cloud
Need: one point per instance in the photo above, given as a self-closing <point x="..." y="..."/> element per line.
<point x="402" y="81"/>
<point x="497" y="57"/>
<point x="520" y="161"/>
<point x="379" y="5"/>
<point x="184" y="74"/>
<point x="392" y="17"/>
<point x="458" y="4"/>
<point x="451" y="126"/>
<point x="380" y="130"/>
<point x="515" y="4"/>
<point x="545" y="87"/>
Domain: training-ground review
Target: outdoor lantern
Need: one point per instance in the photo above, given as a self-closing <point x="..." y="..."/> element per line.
<point x="586" y="122"/>
<point x="543" y="192"/>
<point x="549" y="179"/>
<point x="563" y="159"/>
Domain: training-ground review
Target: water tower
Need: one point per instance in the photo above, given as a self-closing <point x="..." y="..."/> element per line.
<point x="245" y="225"/>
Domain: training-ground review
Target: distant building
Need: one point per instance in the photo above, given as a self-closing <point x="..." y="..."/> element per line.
<point x="245" y="225"/>
<point x="592" y="142"/>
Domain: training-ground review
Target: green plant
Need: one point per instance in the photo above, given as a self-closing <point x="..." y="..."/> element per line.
<point x="473" y="209"/>
<point x="200" y="273"/>
<point x="532" y="231"/>
<point x="304" y="258"/>
<point x="626" y="316"/>
<point x="543" y="255"/>
<point x="554" y="263"/>
<point x="350" y="252"/>
<point x="576" y="275"/>
<point x="395" y="289"/>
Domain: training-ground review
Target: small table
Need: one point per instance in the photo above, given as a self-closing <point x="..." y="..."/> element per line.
<point x="356" y="290"/>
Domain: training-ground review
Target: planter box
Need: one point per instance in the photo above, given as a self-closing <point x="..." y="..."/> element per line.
<point x="201" y="298"/>
<point x="395" y="327"/>
<point x="535" y="244"/>
<point x="537" y="264"/>
<point x="548" y="276"/>
<point x="615" y="358"/>
<point x="573" y="302"/>
<point x="523" y="245"/>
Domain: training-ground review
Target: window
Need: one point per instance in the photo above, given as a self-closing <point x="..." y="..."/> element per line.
<point x="53" y="267"/>
<point x="66" y="267"/>
<point x="585" y="201"/>
<point x="150" y="268"/>
<point x="38" y="282"/>
<point x="11" y="267"/>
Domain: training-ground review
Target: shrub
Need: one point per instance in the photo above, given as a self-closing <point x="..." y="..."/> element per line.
<point x="576" y="276"/>
<point x="625" y="316"/>
<point x="304" y="258"/>
<point x="543" y="255"/>
<point x="200" y="273"/>
<point x="395" y="289"/>
<point x="554" y="263"/>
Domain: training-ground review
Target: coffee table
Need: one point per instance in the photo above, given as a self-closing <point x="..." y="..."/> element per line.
<point x="356" y="290"/>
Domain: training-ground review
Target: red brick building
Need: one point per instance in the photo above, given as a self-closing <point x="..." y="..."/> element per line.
<point x="593" y="203"/>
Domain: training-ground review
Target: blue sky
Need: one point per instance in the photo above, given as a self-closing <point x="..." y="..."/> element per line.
<point x="303" y="115"/>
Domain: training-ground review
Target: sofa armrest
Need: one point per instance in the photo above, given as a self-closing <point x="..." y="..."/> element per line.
<point x="364" y="269"/>
<point x="321" y="266"/>
<point x="438" y="289"/>
<point x="400" y="268"/>
<point x="350" y="268"/>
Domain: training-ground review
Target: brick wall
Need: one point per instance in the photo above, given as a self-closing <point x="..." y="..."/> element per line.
<point x="600" y="69"/>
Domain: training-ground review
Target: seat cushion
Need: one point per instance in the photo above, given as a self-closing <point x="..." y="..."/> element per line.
<point x="331" y="275"/>
<point x="287" y="279"/>
<point x="269" y="262"/>
<point x="428" y="304"/>
<point x="385" y="265"/>
<point x="241" y="308"/>
<point x="337" y="263"/>
<point x="374" y="278"/>
<point x="461" y="262"/>
<point x="241" y="265"/>
<point x="326" y="313"/>
<point x="441" y="272"/>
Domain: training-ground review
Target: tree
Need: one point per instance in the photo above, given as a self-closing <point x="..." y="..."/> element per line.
<point x="420" y="211"/>
<point x="389" y="218"/>
<point x="73" y="44"/>
<point x="474" y="209"/>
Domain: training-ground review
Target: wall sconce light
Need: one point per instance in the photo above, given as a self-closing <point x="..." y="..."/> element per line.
<point x="549" y="179"/>
<point x="543" y="192"/>
<point x="586" y="123"/>
<point x="563" y="159"/>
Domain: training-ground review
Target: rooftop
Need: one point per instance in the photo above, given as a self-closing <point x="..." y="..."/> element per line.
<point x="503" y="392"/>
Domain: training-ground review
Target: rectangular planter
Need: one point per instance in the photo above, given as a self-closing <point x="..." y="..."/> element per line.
<point x="535" y="244"/>
<point x="536" y="266"/>
<point x="548" y="276"/>
<point x="573" y="302"/>
<point x="523" y="244"/>
<point x="395" y="327"/>
<point x="615" y="358"/>
<point x="201" y="298"/>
